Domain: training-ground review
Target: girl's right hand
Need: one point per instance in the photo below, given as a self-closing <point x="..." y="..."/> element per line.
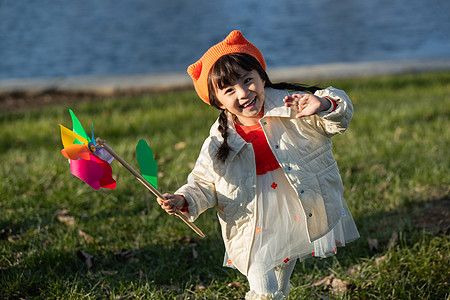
<point x="172" y="203"/>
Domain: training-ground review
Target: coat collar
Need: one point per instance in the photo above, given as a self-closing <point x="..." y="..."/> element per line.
<point x="273" y="107"/>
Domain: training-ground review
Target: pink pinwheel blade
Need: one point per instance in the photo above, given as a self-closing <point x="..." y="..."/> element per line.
<point x="87" y="170"/>
<point x="95" y="172"/>
<point x="106" y="181"/>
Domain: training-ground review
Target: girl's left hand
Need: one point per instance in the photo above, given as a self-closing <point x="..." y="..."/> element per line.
<point x="306" y="104"/>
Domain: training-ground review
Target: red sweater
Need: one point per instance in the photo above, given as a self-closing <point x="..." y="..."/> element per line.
<point x="264" y="158"/>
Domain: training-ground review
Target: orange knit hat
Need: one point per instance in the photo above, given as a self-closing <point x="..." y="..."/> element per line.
<point x="233" y="43"/>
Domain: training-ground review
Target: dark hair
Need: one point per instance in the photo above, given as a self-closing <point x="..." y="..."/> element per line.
<point x="224" y="72"/>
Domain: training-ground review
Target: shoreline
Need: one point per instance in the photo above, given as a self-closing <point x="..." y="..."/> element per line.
<point x="31" y="92"/>
<point x="176" y="80"/>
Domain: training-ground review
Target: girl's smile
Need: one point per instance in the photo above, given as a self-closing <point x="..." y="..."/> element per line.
<point x="248" y="105"/>
<point x="244" y="98"/>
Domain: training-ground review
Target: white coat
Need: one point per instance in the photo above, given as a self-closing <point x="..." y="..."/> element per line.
<point x="303" y="150"/>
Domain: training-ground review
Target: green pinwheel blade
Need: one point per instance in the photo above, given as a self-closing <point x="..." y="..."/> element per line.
<point x="147" y="164"/>
<point x="77" y="128"/>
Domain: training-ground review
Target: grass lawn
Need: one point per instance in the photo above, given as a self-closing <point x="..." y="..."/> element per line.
<point x="61" y="239"/>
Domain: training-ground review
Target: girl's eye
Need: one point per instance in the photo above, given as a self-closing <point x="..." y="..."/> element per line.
<point x="228" y="91"/>
<point x="247" y="80"/>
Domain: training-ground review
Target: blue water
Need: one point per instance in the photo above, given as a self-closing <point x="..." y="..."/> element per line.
<point x="49" y="38"/>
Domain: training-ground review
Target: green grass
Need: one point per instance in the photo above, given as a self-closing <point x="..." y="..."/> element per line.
<point x="394" y="160"/>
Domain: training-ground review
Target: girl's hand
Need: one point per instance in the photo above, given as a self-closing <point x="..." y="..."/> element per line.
<point x="172" y="203"/>
<point x="306" y="104"/>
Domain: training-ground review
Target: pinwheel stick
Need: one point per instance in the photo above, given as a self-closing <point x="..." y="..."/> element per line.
<point x="147" y="184"/>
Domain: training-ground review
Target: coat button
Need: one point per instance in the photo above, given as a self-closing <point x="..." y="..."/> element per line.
<point x="276" y="146"/>
<point x="302" y="191"/>
<point x="264" y="123"/>
<point x="289" y="168"/>
<point x="310" y="215"/>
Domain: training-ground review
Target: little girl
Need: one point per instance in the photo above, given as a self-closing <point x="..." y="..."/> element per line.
<point x="268" y="168"/>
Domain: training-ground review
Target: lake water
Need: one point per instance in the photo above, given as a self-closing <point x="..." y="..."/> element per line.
<point x="49" y="38"/>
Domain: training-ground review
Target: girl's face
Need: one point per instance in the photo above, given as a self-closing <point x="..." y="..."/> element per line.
<point x="244" y="98"/>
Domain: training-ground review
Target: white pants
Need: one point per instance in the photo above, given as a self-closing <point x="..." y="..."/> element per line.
<point x="273" y="284"/>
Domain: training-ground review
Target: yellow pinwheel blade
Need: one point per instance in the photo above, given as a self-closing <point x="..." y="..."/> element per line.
<point x="69" y="137"/>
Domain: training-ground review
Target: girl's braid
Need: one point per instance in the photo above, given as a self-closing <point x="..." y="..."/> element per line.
<point x="224" y="149"/>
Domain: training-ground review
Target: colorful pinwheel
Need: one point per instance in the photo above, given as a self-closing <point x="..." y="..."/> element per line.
<point x="87" y="162"/>
<point x="90" y="161"/>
